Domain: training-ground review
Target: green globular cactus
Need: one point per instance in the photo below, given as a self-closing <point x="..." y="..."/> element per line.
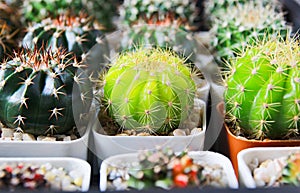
<point x="243" y="24"/>
<point x="167" y="35"/>
<point x="43" y="92"/>
<point x="77" y="34"/>
<point x="37" y="10"/>
<point x="150" y="90"/>
<point x="263" y="90"/>
<point x="132" y="11"/>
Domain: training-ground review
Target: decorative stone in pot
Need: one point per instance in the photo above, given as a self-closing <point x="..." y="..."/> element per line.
<point x="165" y="169"/>
<point x="44" y="95"/>
<point x="262" y="96"/>
<point x="152" y="92"/>
<point x="269" y="166"/>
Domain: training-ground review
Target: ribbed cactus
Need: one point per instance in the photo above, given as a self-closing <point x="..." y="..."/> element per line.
<point x="263" y="90"/>
<point x="37" y="10"/>
<point x="43" y="92"/>
<point x="242" y="24"/>
<point x="155" y="10"/>
<point x="149" y="90"/>
<point x="167" y="35"/>
<point x="77" y="34"/>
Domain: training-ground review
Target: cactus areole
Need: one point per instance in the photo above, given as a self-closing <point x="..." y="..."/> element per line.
<point x="42" y="92"/>
<point x="150" y="89"/>
<point x="263" y="90"/>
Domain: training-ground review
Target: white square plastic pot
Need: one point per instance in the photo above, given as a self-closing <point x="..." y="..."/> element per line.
<point x="198" y="156"/>
<point x="69" y="164"/>
<point x="76" y="148"/>
<point x="106" y="146"/>
<point x="245" y="157"/>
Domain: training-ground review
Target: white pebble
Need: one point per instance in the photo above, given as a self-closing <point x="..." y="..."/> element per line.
<point x="67" y="138"/>
<point x="196" y="131"/>
<point x="6" y="132"/>
<point x="28" y="137"/>
<point x="18" y="136"/>
<point x="179" y="132"/>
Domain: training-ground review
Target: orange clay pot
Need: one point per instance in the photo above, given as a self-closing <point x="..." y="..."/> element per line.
<point x="236" y="144"/>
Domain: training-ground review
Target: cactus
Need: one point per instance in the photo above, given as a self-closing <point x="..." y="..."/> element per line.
<point x="291" y="172"/>
<point x="43" y="92"/>
<point x="263" y="90"/>
<point x="243" y="24"/>
<point x="37" y="10"/>
<point x="77" y="34"/>
<point x="167" y="35"/>
<point x="150" y="90"/>
<point x="155" y="10"/>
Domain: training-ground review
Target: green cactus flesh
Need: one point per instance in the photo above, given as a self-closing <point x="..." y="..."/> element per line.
<point x="76" y="34"/>
<point x="150" y="90"/>
<point x="263" y="90"/>
<point x="38" y="90"/>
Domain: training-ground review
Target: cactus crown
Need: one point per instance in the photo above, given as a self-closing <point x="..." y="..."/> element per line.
<point x="243" y="24"/>
<point x="157" y="10"/>
<point x="77" y="34"/>
<point x="149" y="90"/>
<point x="38" y="90"/>
<point x="263" y="90"/>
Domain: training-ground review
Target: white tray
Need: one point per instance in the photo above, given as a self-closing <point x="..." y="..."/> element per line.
<point x="81" y="166"/>
<point x="245" y="157"/>
<point x="206" y="156"/>
<point x="76" y="148"/>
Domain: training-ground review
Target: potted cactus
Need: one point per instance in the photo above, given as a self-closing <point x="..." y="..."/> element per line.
<point x="262" y="96"/>
<point x="146" y="95"/>
<point x="43" y="93"/>
<point x="242" y="24"/>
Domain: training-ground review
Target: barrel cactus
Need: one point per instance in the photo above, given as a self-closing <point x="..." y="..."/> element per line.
<point x="43" y="92"/>
<point x="77" y="34"/>
<point x="263" y="90"/>
<point x="242" y="24"/>
<point x="167" y="35"/>
<point x="37" y="10"/>
<point x="155" y="10"/>
<point x="150" y="90"/>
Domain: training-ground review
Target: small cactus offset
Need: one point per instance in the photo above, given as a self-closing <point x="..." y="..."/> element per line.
<point x="77" y="34"/>
<point x="37" y="10"/>
<point x="156" y="10"/>
<point x="42" y="92"/>
<point x="263" y="90"/>
<point x="150" y="90"/>
<point x="167" y="35"/>
<point x="243" y="24"/>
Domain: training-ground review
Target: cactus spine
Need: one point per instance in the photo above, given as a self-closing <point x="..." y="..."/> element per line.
<point x="242" y="24"/>
<point x="263" y="90"/>
<point x="149" y="90"/>
<point x="43" y="92"/>
<point x="77" y="34"/>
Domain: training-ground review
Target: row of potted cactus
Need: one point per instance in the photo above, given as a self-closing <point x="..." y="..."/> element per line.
<point x="155" y="87"/>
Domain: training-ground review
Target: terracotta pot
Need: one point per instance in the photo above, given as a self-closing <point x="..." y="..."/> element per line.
<point x="236" y="144"/>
